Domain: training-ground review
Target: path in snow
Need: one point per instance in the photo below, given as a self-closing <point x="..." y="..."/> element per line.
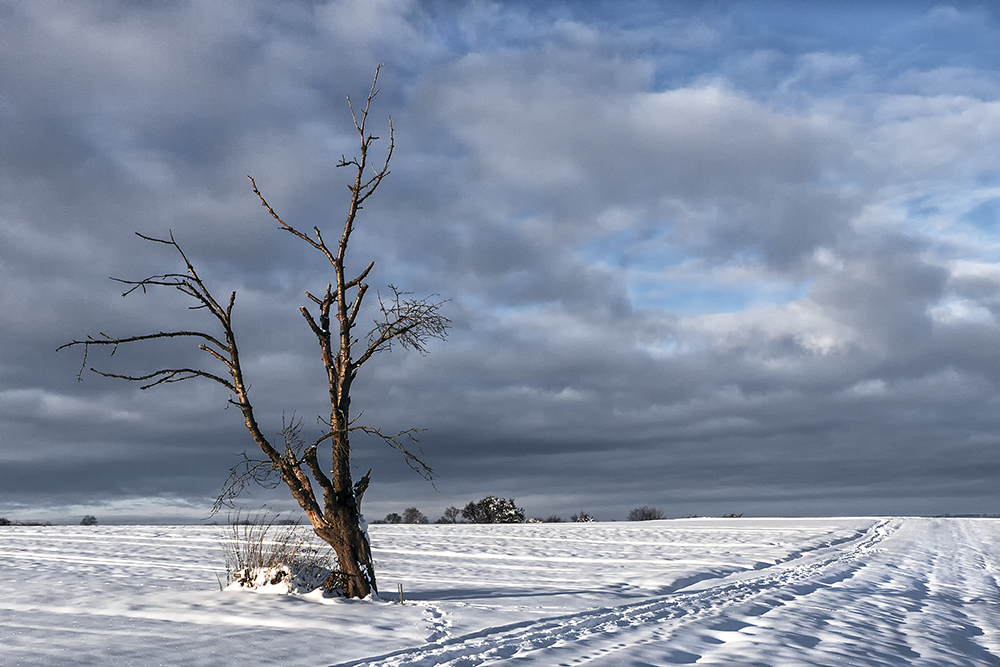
<point x="716" y="592"/>
<point x="909" y="592"/>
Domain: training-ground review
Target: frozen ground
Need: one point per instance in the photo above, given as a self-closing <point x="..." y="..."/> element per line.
<point x="716" y="592"/>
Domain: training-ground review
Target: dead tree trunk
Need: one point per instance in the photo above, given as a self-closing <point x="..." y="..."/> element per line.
<point x="335" y="511"/>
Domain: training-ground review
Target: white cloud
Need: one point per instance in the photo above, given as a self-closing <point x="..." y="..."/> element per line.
<point x="40" y="403"/>
<point x="960" y="311"/>
<point x="868" y="389"/>
<point x="804" y="322"/>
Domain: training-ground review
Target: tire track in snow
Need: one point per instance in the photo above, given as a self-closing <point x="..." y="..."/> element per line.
<point x="502" y="643"/>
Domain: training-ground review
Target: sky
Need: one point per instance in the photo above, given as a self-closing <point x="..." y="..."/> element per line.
<point x="719" y="257"/>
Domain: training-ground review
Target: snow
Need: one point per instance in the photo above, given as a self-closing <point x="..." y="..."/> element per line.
<point x="862" y="591"/>
<point x="282" y="579"/>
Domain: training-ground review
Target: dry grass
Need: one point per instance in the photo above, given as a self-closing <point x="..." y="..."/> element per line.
<point x="260" y="551"/>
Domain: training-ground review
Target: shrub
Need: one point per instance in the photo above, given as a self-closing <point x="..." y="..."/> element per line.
<point x="413" y="515"/>
<point x="89" y="520"/>
<point x="553" y="519"/>
<point x="4" y="521"/>
<point x="392" y="517"/>
<point x="257" y="554"/>
<point x="645" y="514"/>
<point x="582" y="517"/>
<point x="493" y="510"/>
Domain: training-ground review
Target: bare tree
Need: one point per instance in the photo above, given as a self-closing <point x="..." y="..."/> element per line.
<point x="333" y="510"/>
<point x="450" y="515"/>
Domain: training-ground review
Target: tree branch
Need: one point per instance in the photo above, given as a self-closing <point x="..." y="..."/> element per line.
<point x="246" y="472"/>
<point x="411" y="322"/>
<point x="393" y="441"/>
<point x="168" y="375"/>
<point x="108" y="340"/>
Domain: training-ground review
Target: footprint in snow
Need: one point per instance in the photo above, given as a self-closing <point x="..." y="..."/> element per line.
<point x="438" y="622"/>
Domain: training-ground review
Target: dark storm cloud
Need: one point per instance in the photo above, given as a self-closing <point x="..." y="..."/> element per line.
<point x="712" y="259"/>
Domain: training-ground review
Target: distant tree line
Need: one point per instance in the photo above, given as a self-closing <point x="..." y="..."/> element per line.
<point x="4" y="521"/>
<point x="490" y="509"/>
<point x="493" y="509"/>
<point x="88" y="520"/>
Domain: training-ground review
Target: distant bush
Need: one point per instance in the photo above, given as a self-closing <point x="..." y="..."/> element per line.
<point x="733" y="516"/>
<point x="493" y="510"/>
<point x="4" y="521"/>
<point x="413" y="515"/>
<point x="553" y="519"/>
<point x="582" y="517"/>
<point x="645" y="514"/>
<point x="392" y="517"/>
<point x="89" y="520"/>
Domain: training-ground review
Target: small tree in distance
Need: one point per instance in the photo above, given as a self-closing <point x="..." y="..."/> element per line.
<point x="493" y="510"/>
<point x="89" y="520"/>
<point x="392" y="517"/>
<point x="645" y="514"/>
<point x="582" y="517"/>
<point x="333" y="508"/>
<point x="450" y="515"/>
<point x="413" y="515"/>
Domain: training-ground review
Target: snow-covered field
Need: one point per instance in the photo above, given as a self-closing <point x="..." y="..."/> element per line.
<point x="707" y="591"/>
